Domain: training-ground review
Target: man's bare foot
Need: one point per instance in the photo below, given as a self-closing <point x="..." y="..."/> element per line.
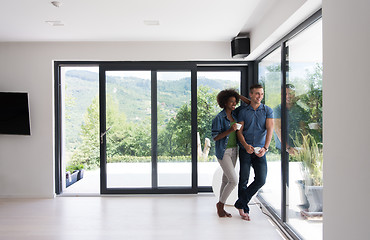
<point x="244" y="215"/>
<point x="246" y="218"/>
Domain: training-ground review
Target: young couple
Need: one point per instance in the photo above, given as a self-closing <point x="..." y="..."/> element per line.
<point x="253" y="137"/>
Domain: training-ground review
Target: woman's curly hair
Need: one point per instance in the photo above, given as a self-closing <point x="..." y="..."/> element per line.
<point x="224" y="95"/>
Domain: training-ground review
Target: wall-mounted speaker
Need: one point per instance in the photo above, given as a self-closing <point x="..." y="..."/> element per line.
<point x="240" y="47"/>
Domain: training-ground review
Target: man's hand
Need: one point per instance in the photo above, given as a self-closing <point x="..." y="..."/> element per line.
<point x="292" y="151"/>
<point x="261" y="152"/>
<point x="249" y="149"/>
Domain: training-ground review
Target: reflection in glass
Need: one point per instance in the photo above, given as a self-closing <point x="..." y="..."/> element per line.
<point x="304" y="126"/>
<point x="270" y="77"/>
<point x="128" y="115"/>
<point x="174" y="128"/>
<point x="210" y="83"/>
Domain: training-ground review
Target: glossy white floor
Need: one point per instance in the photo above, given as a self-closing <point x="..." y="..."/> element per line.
<point x="128" y="217"/>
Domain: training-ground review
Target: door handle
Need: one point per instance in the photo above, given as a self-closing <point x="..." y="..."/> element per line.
<point x="103" y="134"/>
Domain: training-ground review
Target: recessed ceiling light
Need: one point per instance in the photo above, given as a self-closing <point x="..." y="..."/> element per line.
<point x="151" y="22"/>
<point x="55" y="23"/>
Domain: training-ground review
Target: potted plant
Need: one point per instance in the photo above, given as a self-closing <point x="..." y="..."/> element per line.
<point x="311" y="157"/>
<point x="74" y="173"/>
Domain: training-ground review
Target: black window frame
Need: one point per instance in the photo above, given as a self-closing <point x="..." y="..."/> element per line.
<point x="247" y="79"/>
<point x="282" y="221"/>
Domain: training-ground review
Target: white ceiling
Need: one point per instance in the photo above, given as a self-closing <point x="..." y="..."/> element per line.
<point x="123" y="20"/>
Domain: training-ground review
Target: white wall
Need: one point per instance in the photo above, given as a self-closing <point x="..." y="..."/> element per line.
<point x="282" y="18"/>
<point x="346" y="86"/>
<point x="273" y="20"/>
<point x="27" y="162"/>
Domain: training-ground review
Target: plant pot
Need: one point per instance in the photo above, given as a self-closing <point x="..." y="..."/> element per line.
<point x="314" y="196"/>
<point x="71" y="178"/>
<point x="80" y="174"/>
<point x="314" y="125"/>
<point x="302" y="193"/>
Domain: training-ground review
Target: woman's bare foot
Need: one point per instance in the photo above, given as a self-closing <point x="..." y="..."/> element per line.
<point x="228" y="214"/>
<point x="220" y="209"/>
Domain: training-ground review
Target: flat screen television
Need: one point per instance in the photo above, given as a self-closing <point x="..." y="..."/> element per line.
<point x="14" y="113"/>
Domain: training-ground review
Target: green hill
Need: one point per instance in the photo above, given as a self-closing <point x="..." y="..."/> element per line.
<point x="132" y="94"/>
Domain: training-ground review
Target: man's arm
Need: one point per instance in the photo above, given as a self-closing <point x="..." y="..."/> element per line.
<point x="241" y="139"/>
<point x="277" y="127"/>
<point x="270" y="129"/>
<point x="244" y="99"/>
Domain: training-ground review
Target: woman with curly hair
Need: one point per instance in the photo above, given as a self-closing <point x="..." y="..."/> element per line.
<point x="224" y="129"/>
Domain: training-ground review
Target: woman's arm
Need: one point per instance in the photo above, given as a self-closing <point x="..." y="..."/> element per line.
<point x="233" y="128"/>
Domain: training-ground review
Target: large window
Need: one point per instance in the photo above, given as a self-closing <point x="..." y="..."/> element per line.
<point x="128" y="118"/>
<point x="174" y="128"/>
<point x="292" y="77"/>
<point x="209" y="84"/>
<point x="80" y="121"/>
<point x="304" y="131"/>
<point x="130" y="127"/>
<point x="269" y="72"/>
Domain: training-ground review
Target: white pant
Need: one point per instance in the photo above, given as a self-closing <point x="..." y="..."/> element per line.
<point x="229" y="177"/>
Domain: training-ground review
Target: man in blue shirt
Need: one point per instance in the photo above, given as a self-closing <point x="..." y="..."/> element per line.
<point x="254" y="139"/>
<point x="296" y="122"/>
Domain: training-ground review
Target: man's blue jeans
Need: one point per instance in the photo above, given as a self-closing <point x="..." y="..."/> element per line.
<point x="245" y="192"/>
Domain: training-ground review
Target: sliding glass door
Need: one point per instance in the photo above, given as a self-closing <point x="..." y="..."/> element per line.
<point x="128" y="129"/>
<point x="174" y="129"/>
<point x="292" y="77"/>
<point x="138" y="127"/>
<point x="147" y="145"/>
<point x="304" y="129"/>
<point x="269" y="74"/>
<point x="210" y="81"/>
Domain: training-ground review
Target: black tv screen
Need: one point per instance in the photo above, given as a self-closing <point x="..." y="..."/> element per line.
<point x="14" y="113"/>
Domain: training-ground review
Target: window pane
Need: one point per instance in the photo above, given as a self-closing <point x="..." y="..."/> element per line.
<point x="128" y="115"/>
<point x="174" y="128"/>
<point x="269" y="72"/>
<point x="210" y="83"/>
<point x="304" y="108"/>
<point x="80" y="128"/>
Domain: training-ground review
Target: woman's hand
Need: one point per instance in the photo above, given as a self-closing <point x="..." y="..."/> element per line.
<point x="233" y="128"/>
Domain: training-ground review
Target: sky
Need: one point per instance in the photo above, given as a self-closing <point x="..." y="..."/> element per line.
<point x="223" y="75"/>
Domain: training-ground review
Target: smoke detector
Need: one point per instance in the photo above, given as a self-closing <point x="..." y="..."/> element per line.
<point x="56" y="3"/>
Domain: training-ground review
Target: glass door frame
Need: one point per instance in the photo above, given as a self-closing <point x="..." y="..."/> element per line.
<point x="282" y="221"/>
<point x="154" y="67"/>
<point x="246" y="80"/>
<point x="249" y="76"/>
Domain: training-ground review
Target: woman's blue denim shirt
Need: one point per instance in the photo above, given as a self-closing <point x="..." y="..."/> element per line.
<point x="219" y="125"/>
